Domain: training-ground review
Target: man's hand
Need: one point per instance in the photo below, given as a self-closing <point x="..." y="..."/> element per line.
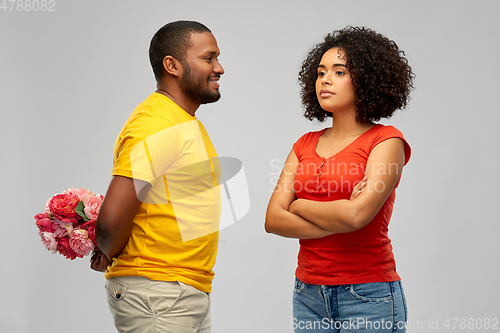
<point x="99" y="262"/>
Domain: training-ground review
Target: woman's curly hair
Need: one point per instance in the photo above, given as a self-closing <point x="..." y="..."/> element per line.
<point x="380" y="74"/>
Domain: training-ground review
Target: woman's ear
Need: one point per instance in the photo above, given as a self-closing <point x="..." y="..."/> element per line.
<point x="171" y="66"/>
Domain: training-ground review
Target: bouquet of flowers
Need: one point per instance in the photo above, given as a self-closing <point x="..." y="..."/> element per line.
<point x="67" y="224"/>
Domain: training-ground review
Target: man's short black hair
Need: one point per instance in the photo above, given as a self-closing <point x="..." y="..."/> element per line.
<point x="172" y="39"/>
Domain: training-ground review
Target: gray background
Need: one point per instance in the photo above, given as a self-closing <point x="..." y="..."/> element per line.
<point x="70" y="78"/>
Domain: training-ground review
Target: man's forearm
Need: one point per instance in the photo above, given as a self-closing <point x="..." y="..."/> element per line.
<point x="115" y="221"/>
<point x="111" y="244"/>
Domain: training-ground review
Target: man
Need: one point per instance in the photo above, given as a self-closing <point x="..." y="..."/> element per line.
<point x="157" y="227"/>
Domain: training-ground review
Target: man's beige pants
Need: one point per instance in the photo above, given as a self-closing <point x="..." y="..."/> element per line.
<point x="141" y="305"/>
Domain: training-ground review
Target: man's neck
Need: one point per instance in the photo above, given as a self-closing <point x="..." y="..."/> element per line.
<point x="178" y="98"/>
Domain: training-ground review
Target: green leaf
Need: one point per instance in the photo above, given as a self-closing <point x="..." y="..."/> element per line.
<point x="79" y="211"/>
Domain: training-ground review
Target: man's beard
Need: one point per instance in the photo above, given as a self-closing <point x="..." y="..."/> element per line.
<point x="192" y="87"/>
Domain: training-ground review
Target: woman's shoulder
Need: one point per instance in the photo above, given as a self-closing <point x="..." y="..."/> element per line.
<point x="310" y="136"/>
<point x="380" y="133"/>
<point x="381" y="128"/>
<point x="307" y="142"/>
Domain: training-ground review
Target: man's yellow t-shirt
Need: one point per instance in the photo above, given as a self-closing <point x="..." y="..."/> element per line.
<point x="175" y="232"/>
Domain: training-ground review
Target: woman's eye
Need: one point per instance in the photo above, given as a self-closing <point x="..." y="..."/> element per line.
<point x="321" y="74"/>
<point x="339" y="73"/>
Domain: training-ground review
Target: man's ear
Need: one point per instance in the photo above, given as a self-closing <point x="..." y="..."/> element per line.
<point x="172" y="66"/>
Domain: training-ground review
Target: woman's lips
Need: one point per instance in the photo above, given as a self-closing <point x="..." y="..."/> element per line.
<point x="325" y="93"/>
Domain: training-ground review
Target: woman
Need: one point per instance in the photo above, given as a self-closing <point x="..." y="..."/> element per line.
<point x="337" y="188"/>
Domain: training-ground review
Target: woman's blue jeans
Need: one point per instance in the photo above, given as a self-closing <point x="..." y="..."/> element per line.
<point x="366" y="307"/>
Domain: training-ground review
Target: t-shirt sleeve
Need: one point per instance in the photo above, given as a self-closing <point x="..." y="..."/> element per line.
<point x="388" y="132"/>
<point x="303" y="143"/>
<point x="144" y="148"/>
<point x="297" y="147"/>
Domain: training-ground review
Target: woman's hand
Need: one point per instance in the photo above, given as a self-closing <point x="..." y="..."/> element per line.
<point x="280" y="219"/>
<point x="99" y="262"/>
<point x="294" y="206"/>
<point x="358" y="188"/>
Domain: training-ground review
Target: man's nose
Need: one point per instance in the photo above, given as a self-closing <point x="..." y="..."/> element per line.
<point x="218" y="68"/>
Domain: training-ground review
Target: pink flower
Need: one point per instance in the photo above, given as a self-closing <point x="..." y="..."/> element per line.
<point x="65" y="249"/>
<point x="81" y="192"/>
<point x="49" y="241"/>
<point x="41" y="216"/>
<point x="44" y="223"/>
<point x="61" y="228"/>
<point x="80" y="242"/>
<point x="90" y="227"/>
<point x="47" y="209"/>
<point x="62" y="206"/>
<point x="92" y="205"/>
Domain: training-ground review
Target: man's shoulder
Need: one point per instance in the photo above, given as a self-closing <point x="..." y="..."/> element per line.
<point x="152" y="113"/>
<point x="157" y="107"/>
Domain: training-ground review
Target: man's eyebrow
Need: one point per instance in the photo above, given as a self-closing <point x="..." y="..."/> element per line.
<point x="212" y="52"/>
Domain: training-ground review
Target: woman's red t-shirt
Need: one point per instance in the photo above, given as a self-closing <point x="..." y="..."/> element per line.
<point x="361" y="256"/>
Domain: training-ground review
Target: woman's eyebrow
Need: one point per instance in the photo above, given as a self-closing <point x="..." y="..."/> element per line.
<point x="334" y="65"/>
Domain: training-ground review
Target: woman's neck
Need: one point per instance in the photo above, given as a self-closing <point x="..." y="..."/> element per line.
<point x="345" y="125"/>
